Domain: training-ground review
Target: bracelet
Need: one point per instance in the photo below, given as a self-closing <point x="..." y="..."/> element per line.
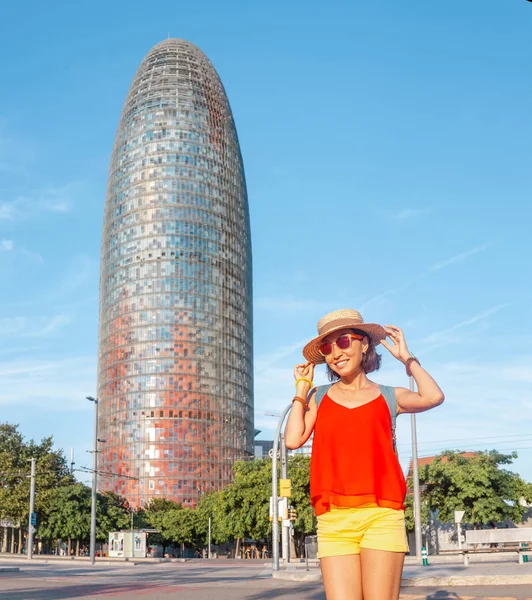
<point x="309" y="381"/>
<point x="409" y="362"/>
<point x="299" y="399"/>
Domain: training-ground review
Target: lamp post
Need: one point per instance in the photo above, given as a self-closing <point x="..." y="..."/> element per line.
<point x="415" y="477"/>
<point x="275" y="491"/>
<point x="94" y="481"/>
<point x="32" y="509"/>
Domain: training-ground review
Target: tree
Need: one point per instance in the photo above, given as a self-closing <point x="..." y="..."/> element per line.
<point x="247" y="499"/>
<point x="112" y="514"/>
<point x="477" y="484"/>
<point x="51" y="472"/>
<point x="69" y="515"/>
<point x="409" y="510"/>
<point x="215" y="507"/>
<point x="155" y="514"/>
<point x="305" y="523"/>
<point x="179" y="525"/>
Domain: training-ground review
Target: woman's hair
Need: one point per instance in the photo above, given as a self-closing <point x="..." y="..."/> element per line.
<point x="371" y="361"/>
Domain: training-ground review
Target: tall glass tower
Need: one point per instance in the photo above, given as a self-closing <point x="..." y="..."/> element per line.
<point x="175" y="382"/>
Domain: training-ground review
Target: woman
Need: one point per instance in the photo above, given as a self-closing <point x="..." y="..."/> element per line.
<point x="357" y="487"/>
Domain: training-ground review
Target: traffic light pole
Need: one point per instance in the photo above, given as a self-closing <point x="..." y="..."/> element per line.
<point x="415" y="477"/>
<point x="275" y="491"/>
<point x="32" y="510"/>
<point x="285" y="531"/>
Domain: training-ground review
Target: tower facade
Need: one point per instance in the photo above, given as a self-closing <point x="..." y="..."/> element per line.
<point x="175" y="380"/>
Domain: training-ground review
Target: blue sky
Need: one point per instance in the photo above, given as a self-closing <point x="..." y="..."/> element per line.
<point x="387" y="149"/>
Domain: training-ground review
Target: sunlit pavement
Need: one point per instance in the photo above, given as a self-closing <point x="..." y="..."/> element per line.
<point x="194" y="580"/>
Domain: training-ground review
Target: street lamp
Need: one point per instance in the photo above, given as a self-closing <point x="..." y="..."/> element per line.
<point x="275" y="491"/>
<point x="415" y="477"/>
<point x="94" y="481"/>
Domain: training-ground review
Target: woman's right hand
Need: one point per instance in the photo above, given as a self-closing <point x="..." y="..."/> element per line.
<point x="305" y="370"/>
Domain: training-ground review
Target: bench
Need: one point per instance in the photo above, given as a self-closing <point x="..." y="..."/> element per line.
<point x="517" y="536"/>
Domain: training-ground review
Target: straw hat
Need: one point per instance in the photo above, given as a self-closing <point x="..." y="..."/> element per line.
<point x="341" y="319"/>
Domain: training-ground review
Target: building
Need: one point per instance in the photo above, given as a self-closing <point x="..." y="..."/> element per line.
<point x="175" y="372"/>
<point x="263" y="448"/>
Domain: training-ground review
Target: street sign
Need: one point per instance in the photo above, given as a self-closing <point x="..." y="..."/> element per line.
<point x="458" y="515"/>
<point x="32" y="529"/>
<point x="285" y="488"/>
<point x="33" y="519"/>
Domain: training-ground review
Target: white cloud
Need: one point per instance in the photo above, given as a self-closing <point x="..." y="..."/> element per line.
<point x="12" y="325"/>
<point x="433" y="268"/>
<point x="290" y="304"/>
<point x="56" y="199"/>
<point x="458" y="258"/>
<point x="74" y="278"/>
<point x="406" y="214"/>
<point x="263" y="363"/>
<point x="450" y="335"/>
<point x="35" y="256"/>
<point x="56" y="384"/>
<point x="6" y="245"/>
<point x="10" y="210"/>
<point x="33" y="327"/>
<point x="9" y="246"/>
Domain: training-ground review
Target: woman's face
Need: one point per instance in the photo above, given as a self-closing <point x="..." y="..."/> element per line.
<point x="346" y="361"/>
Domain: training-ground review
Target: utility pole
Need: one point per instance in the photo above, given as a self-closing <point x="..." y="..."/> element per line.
<point x="415" y="477"/>
<point x="209" y="547"/>
<point x="72" y="461"/>
<point x="132" y="536"/>
<point x="275" y="492"/>
<point x="94" y="482"/>
<point x="285" y="531"/>
<point x="31" y="521"/>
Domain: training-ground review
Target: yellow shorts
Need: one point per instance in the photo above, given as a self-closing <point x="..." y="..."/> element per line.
<point x="345" y="530"/>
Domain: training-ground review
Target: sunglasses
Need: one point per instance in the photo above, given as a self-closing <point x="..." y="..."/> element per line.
<point x="343" y="342"/>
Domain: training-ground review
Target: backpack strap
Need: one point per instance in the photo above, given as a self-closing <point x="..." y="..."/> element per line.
<point x="389" y="395"/>
<point x="320" y="390"/>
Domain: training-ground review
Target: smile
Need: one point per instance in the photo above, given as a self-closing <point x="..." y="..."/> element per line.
<point x="340" y="363"/>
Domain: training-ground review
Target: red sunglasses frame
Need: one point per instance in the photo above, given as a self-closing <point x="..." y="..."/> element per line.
<point x="351" y="336"/>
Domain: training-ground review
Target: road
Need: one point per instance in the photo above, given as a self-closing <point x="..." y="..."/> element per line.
<point x="193" y="580"/>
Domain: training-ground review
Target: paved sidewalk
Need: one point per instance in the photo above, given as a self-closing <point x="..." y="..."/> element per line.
<point x="439" y="573"/>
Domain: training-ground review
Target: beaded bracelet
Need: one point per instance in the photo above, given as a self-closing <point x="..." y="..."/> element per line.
<point x="309" y="381"/>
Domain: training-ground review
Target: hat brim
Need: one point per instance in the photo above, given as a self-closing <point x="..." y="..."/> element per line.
<point x="375" y="332"/>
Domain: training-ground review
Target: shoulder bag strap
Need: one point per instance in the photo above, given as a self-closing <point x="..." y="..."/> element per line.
<point x="389" y="395"/>
<point x="320" y="390"/>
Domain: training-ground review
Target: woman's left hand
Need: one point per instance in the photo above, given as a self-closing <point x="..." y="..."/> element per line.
<point x="398" y="349"/>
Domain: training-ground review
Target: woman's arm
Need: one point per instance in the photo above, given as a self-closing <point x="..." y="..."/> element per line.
<point x="428" y="393"/>
<point x="301" y="419"/>
<point x="300" y="424"/>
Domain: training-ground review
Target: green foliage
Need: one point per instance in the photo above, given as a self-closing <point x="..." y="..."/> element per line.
<point x="69" y="514"/>
<point x="179" y="526"/>
<point x="112" y="514"/>
<point x="247" y="500"/>
<point x="409" y="510"/>
<point x="214" y="505"/>
<point x="155" y="514"/>
<point x="51" y="472"/>
<point x="477" y="484"/>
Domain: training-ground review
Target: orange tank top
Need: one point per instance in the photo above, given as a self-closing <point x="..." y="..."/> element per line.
<point x="353" y="462"/>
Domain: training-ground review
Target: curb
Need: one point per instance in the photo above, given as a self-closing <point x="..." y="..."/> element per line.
<point x="9" y="569"/>
<point x="466" y="581"/>
<point x="295" y="576"/>
<point x="449" y="580"/>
